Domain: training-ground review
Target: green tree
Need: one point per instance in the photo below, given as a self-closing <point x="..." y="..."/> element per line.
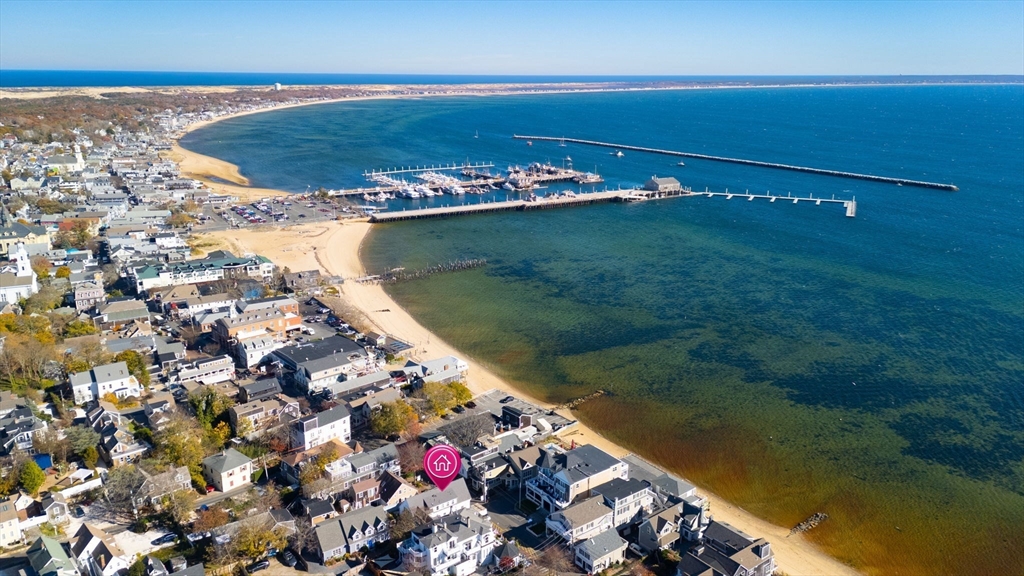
<point x="136" y="365"/>
<point x="62" y="272"/>
<point x="209" y="406"/>
<point x="90" y="457"/>
<point x="392" y="418"/>
<point x="31" y="477"/>
<point x="180" y="505"/>
<point x="138" y="568"/>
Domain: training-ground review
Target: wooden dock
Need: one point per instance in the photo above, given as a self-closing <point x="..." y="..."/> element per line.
<point x="630" y="195"/>
<point x="823" y="172"/>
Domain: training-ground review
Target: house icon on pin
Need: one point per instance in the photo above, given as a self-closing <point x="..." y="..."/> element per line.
<point x="442" y="464"/>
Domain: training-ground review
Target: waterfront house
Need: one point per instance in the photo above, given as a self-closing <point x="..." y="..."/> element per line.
<point x="580" y="521"/>
<point x="726" y="550"/>
<point x="228" y="470"/>
<point x="630" y="499"/>
<point x="444" y="370"/>
<point x="600" y="551"/>
<point x="318" y="365"/>
<point x="564" y="476"/>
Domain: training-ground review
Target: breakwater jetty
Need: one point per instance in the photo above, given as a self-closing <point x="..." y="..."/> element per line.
<point x="570" y="199"/>
<point x="821" y="171"/>
<point x="396" y="275"/>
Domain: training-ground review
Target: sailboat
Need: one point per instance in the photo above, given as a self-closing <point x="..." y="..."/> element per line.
<point x="562" y="143"/>
<point x="477" y="135"/>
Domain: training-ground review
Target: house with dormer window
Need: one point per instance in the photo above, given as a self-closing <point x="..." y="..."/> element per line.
<point x="351" y="532"/>
<point x="454" y="545"/>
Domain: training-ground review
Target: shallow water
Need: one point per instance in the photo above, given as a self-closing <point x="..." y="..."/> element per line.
<point x="786" y="357"/>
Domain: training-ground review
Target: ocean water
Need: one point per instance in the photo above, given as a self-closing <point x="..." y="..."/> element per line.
<point x="783" y="356"/>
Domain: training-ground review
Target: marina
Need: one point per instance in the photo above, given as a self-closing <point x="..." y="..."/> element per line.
<point x="619" y="147"/>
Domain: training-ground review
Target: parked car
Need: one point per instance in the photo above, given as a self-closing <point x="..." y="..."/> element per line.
<point x="79" y="512"/>
<point x="165" y="539"/>
<point x="210" y="488"/>
<point x="470" y="404"/>
<point x="459" y="409"/>
<point x="288" y="559"/>
<point x="507" y="399"/>
<point x="257" y="566"/>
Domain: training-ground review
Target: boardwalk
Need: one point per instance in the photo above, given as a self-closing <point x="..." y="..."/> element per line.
<point x="837" y="173"/>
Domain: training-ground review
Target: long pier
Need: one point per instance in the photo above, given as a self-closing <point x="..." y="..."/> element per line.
<point x="630" y="195"/>
<point x="821" y="171"/>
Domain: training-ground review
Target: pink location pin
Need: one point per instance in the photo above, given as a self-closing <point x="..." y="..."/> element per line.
<point x="442" y="464"/>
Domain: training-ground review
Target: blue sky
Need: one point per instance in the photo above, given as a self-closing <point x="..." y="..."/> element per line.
<point x="561" y="38"/>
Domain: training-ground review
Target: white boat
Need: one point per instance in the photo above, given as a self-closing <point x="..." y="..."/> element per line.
<point x="424" y="191"/>
<point x="477" y="135"/>
<point x="617" y="153"/>
<point x="681" y="164"/>
<point x="508" y="186"/>
<point x="455" y="190"/>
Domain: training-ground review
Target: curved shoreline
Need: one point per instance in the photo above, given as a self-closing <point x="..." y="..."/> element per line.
<point x="334" y="248"/>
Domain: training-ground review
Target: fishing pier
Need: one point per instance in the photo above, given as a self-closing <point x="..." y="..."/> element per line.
<point x="570" y="199"/>
<point x="820" y="171"/>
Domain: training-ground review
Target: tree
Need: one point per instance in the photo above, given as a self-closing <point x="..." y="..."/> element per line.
<point x="122" y="485"/>
<point x="254" y="538"/>
<point x="138" y="568"/>
<point x="460" y="392"/>
<point x="180" y="220"/>
<point x="62" y="272"/>
<point x="90" y="457"/>
<point x="392" y="418"/>
<point x="190" y="206"/>
<point x="410" y="456"/>
<point x="304" y="537"/>
<point x="31" y="477"/>
<point x="440" y="396"/>
<point x="209" y="519"/>
<point x="41" y="266"/>
<point x="209" y="406"/>
<point x="82" y="438"/>
<point x="180" y="441"/>
<point x="180" y="505"/>
<point x="136" y="365"/>
<point x="48" y="441"/>
<point x="403" y="524"/>
<point x="77" y="328"/>
<point x="243" y="428"/>
<point x="464" y="432"/>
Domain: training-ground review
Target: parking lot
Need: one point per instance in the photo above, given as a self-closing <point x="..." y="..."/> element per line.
<point x="491" y="401"/>
<point x="282" y="211"/>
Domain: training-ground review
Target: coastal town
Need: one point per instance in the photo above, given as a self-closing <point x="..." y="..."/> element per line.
<point x="173" y="405"/>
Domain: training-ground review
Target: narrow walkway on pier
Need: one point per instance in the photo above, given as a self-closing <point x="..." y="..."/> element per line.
<point x="837" y="173"/>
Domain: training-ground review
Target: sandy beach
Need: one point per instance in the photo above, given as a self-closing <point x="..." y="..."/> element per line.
<point x="333" y="248"/>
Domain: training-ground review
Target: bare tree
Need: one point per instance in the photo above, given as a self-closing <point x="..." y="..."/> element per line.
<point x="121" y="492"/>
<point x="410" y="456"/>
<point x="303" y="539"/>
<point x="466" y="431"/>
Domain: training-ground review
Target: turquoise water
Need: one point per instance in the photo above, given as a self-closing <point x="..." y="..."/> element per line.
<point x="786" y="357"/>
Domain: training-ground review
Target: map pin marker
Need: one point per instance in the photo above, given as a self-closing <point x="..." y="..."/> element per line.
<point x="442" y="464"/>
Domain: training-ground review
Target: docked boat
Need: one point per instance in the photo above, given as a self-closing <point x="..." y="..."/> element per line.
<point x="424" y="191"/>
<point x="509" y="186"/>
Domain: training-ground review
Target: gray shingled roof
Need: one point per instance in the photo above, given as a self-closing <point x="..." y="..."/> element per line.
<point x="603" y="544"/>
<point x="226" y="460"/>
